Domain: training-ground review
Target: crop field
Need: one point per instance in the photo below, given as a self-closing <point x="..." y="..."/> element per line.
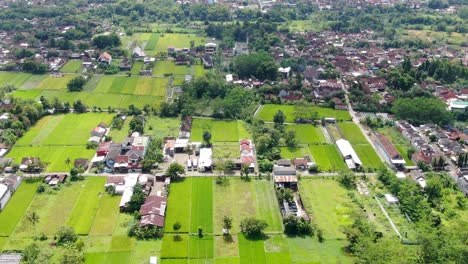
<point x="368" y="156"/>
<point x="152" y="41"/>
<point x="293" y="152"/>
<point x="202" y="205"/>
<point x="72" y="66"/>
<point x="178" y="41"/>
<point x="15" y="79"/>
<point x="306" y="134"/>
<point x="132" y="85"/>
<point x="352" y="133"/>
<point x="268" y="111"/>
<point x="226" y="150"/>
<point x="56" y="83"/>
<point x="85" y="206"/>
<point x="136" y="67"/>
<point x="53" y="140"/>
<point x="327" y="157"/>
<point x="221" y="131"/>
<point x="199" y="70"/>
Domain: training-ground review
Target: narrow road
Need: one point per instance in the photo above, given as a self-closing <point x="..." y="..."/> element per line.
<point x="355" y="119"/>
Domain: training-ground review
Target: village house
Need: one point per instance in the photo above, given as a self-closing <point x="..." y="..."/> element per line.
<point x="55" y="179"/>
<point x="31" y="165"/>
<point x="349" y="155"/>
<point x="8" y="186"/>
<point x="153" y="211"/>
<point x="391" y="154"/>
<point x="105" y="58"/>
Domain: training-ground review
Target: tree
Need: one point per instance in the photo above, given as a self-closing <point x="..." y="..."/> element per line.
<point x="227" y="223"/>
<point x="245" y="169"/>
<point x="297" y="226"/>
<point x="106" y="41"/>
<point x="66" y="235"/>
<point x="175" y="170"/>
<point x="290" y="138"/>
<point x="79" y="107"/>
<point x="347" y="179"/>
<point x="422" y="110"/>
<point x="260" y="65"/>
<point x="33" y="218"/>
<point x="137" y="199"/>
<point x="76" y="84"/>
<point x="252" y="227"/>
<point x="285" y="194"/>
<point x="31" y="253"/>
<point x="137" y="125"/>
<point x="72" y="256"/>
<point x="207" y="137"/>
<point x="278" y="119"/>
<point x="176" y="226"/>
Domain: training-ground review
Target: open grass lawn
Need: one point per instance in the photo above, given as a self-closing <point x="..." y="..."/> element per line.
<point x="293" y="152"/>
<point x="268" y="111"/>
<point x="236" y="200"/>
<point x="352" y="133"/>
<point x="251" y="251"/>
<point x="308" y="250"/>
<point x="327" y="157"/>
<point x="221" y="131"/>
<point x="63" y="130"/>
<point x="306" y="134"/>
<point x="53" y="208"/>
<point x="403" y="150"/>
<point x="455" y="39"/>
<point x="56" y="83"/>
<point x="202" y="205"/>
<point x="54" y="156"/>
<point x="144" y="249"/>
<point x="368" y="156"/>
<point x="85" y="208"/>
<point x="178" y="206"/>
<point x="14" y="78"/>
<point x="199" y="70"/>
<point x="244" y="132"/>
<point x="178" y="41"/>
<point x="16" y="207"/>
<point x="226" y="150"/>
<point x="72" y="66"/>
<point x="328" y="205"/>
<point x="106" y="216"/>
<point x="136" y="67"/>
<point x="162" y="127"/>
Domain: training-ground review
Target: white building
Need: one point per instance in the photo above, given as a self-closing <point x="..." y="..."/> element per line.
<point x="5" y="195"/>
<point x="130" y="182"/>
<point x="349" y="155"/>
<point x="205" y="161"/>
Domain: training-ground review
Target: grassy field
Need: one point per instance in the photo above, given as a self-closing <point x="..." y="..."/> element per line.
<point x="226" y="150"/>
<point x="132" y="85"/>
<point x="13" y="78"/>
<point x="454" y="39"/>
<point x="178" y="41"/>
<point x="268" y="111"/>
<point x="221" y="131"/>
<point x="199" y="70"/>
<point x="368" y="156"/>
<point x="72" y="66"/>
<point x="136" y="67"/>
<point x="56" y="83"/>
<point x="179" y="204"/>
<point x="327" y="157"/>
<point x="352" y="133"/>
<point x="53" y="140"/>
<point x="16" y="207"/>
<point x="85" y="209"/>
<point x="152" y="41"/>
<point x="294" y="152"/>
<point x="163" y="67"/>
<point x="306" y="134"/>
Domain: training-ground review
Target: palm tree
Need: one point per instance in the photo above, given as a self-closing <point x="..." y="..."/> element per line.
<point x="33" y="219"/>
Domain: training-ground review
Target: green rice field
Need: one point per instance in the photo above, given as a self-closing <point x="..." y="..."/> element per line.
<point x="221" y="130"/>
<point x="268" y="111"/>
<point x="13" y="78"/>
<point x="56" y="83"/>
<point x="306" y="134"/>
<point x="327" y="157"/>
<point x="352" y="133"/>
<point x="72" y="66"/>
<point x="178" y="41"/>
<point x="368" y="156"/>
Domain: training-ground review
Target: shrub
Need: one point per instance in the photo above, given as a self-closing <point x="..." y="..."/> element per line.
<point x="40" y="188"/>
<point x="297" y="226"/>
<point x="253" y="227"/>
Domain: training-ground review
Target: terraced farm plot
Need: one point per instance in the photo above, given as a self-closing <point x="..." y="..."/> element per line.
<point x="268" y="111"/>
<point x="352" y="133"/>
<point x="306" y="134"/>
<point x="221" y="131"/>
<point x="56" y="83"/>
<point x="85" y="208"/>
<point x="16" y="207"/>
<point x="178" y="41"/>
<point x="327" y="157"/>
<point x="368" y="156"/>
<point x="72" y="66"/>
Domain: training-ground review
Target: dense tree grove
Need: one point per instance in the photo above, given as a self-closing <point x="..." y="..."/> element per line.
<point x="422" y="110"/>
